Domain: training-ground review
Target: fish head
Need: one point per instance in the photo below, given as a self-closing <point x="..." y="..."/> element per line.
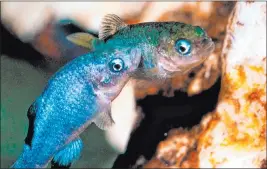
<point x="182" y="48"/>
<point x="117" y="64"/>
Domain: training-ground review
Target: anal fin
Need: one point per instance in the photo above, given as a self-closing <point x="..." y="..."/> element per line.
<point x="69" y="154"/>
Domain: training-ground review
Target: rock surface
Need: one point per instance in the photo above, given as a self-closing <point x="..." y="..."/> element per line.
<point x="234" y="134"/>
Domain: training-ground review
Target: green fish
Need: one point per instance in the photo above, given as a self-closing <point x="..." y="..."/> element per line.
<point x="168" y="48"/>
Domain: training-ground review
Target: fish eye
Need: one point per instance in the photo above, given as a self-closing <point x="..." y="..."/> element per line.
<point x="116" y="65"/>
<point x="183" y="46"/>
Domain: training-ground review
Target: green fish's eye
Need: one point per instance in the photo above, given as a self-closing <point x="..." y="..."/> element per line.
<point x="116" y="65"/>
<point x="183" y="46"/>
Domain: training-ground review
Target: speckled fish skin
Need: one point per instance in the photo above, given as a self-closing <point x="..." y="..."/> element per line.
<point x="71" y="100"/>
<point x="158" y="43"/>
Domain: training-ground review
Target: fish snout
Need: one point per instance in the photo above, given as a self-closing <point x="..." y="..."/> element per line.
<point x="206" y="44"/>
<point x="205" y="41"/>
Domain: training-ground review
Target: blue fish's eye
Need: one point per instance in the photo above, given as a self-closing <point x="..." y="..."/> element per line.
<point x="116" y="65"/>
<point x="183" y="46"/>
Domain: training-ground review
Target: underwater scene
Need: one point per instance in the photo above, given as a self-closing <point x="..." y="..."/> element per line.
<point x="133" y="84"/>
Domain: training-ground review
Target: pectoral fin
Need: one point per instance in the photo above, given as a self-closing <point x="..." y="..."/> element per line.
<point x="82" y="39"/>
<point x="104" y="120"/>
<point x="69" y="154"/>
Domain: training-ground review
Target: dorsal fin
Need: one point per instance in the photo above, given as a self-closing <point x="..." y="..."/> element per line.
<point x="110" y="24"/>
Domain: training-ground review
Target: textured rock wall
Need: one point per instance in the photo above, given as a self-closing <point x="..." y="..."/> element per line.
<point x="234" y="135"/>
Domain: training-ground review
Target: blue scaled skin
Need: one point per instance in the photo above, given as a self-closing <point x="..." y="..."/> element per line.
<point x="78" y="94"/>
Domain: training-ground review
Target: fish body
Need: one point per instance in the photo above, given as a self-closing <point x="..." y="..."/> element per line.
<point x="78" y="94"/>
<point x="167" y="48"/>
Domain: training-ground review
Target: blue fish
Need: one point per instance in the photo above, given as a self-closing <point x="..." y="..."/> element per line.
<point x="77" y="95"/>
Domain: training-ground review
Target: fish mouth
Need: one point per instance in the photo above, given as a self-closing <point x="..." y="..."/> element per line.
<point x="202" y="55"/>
<point x="107" y="93"/>
<point x="173" y="65"/>
<point x="207" y="46"/>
